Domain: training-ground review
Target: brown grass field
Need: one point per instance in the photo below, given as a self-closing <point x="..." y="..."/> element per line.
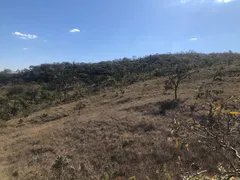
<point x="112" y="137"/>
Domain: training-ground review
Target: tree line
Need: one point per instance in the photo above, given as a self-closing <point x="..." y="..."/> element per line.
<point x="102" y="72"/>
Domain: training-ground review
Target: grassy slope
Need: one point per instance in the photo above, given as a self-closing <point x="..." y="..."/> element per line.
<point x="119" y="134"/>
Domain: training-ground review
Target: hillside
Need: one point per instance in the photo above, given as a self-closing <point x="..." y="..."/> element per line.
<point x="113" y="126"/>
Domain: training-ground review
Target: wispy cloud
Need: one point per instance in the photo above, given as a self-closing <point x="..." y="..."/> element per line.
<point x="25" y="36"/>
<point x="24" y="49"/>
<point x="223" y="1"/>
<point x="74" y="30"/>
<point x="193" y="39"/>
<point x="205" y="1"/>
<point x="191" y="1"/>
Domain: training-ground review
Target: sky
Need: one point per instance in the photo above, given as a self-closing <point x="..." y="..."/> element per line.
<point x="34" y="32"/>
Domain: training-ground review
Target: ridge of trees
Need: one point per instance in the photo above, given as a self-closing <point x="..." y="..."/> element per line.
<point x="106" y="72"/>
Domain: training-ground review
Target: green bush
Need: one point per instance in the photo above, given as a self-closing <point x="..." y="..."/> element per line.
<point x="14" y="91"/>
<point x="4" y="115"/>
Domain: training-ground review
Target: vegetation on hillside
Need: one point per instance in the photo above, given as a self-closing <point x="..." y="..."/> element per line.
<point x="134" y="127"/>
<point x="62" y="75"/>
<point x="64" y="82"/>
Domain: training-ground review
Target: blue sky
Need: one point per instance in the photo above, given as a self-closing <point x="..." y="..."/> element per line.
<point x="34" y="32"/>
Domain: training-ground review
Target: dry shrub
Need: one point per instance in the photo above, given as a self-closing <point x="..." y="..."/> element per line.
<point x="79" y="106"/>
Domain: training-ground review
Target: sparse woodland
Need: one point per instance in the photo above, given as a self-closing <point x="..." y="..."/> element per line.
<point x="163" y="116"/>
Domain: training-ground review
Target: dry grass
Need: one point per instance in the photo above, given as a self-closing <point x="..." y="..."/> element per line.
<point x="115" y="136"/>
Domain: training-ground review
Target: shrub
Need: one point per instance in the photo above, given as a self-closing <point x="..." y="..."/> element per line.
<point x="14" y="91"/>
<point x="62" y="170"/>
<point x="4" y="115"/>
<point x="217" y="131"/>
<point x="79" y="106"/>
<point x="168" y="105"/>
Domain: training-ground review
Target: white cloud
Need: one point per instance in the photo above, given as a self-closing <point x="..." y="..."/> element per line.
<point x="74" y="30"/>
<point x="223" y="1"/>
<point x="25" y="36"/>
<point x="191" y="1"/>
<point x="193" y="39"/>
<point x="183" y="1"/>
<point x="24" y="49"/>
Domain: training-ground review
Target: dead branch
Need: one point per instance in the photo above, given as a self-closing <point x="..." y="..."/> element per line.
<point x="197" y="174"/>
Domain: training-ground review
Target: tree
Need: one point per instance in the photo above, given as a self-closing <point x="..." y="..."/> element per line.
<point x="175" y="77"/>
<point x="7" y="71"/>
